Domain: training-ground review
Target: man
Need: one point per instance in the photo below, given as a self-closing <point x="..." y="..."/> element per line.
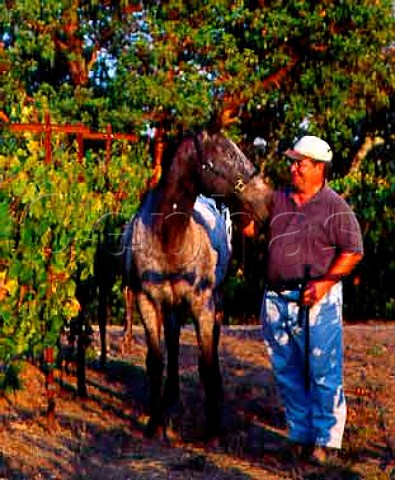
<point x="314" y="242"/>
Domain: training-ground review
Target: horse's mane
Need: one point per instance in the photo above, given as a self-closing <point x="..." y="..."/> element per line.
<point x="172" y="143"/>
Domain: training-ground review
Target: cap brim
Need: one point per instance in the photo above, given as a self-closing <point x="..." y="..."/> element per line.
<point x="293" y="154"/>
<point x="300" y="156"/>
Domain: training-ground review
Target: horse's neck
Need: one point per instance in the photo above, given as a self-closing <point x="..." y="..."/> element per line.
<point x="175" y="196"/>
<point x="173" y="211"/>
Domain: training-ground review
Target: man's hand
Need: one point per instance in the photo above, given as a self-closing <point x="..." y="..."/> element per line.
<point x="342" y="266"/>
<point x="315" y="290"/>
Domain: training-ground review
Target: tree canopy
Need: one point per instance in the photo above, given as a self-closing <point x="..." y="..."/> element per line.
<point x="129" y="62"/>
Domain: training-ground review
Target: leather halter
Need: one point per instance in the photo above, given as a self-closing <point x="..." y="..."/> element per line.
<point x="238" y="184"/>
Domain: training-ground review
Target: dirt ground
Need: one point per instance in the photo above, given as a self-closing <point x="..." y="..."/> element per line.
<point x="101" y="438"/>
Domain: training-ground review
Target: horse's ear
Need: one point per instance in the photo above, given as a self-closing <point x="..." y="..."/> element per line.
<point x="222" y="118"/>
<point x="214" y="125"/>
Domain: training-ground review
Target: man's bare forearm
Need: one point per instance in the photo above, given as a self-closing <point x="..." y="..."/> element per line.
<point x="342" y="266"/>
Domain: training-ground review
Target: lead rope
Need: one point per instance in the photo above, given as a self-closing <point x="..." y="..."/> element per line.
<point x="303" y="318"/>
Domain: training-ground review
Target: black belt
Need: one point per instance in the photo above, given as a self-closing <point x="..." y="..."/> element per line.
<point x="294" y="284"/>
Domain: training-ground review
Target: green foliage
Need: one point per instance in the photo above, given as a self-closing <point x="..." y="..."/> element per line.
<point x="54" y="215"/>
<point x="179" y="60"/>
<point x="370" y="190"/>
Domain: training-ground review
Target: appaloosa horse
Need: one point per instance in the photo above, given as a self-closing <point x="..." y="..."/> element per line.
<point x="175" y="258"/>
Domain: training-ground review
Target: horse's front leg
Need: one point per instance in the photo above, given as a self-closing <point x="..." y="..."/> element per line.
<point x="172" y="338"/>
<point x="208" y="333"/>
<point x="151" y="317"/>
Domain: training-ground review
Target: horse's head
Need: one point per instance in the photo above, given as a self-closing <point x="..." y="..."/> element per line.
<point x="226" y="172"/>
<point x="213" y="165"/>
<point x="223" y="169"/>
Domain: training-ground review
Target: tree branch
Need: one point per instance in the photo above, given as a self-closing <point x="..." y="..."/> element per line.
<point x="232" y="103"/>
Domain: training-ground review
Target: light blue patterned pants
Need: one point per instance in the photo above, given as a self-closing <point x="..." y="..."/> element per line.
<point x="316" y="415"/>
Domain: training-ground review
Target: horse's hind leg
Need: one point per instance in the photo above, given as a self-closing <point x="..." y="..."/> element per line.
<point x="152" y="321"/>
<point x="103" y="310"/>
<point x="128" y="331"/>
<point x="208" y="332"/>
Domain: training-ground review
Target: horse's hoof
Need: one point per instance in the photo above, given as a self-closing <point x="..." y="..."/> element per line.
<point x="152" y="429"/>
<point x="171" y="436"/>
<point x="214" y="434"/>
<point x="171" y="395"/>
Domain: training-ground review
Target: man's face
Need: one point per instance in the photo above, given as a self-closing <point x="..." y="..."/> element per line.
<point x="306" y="172"/>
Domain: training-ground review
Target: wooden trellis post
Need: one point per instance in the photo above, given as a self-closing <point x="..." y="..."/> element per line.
<point x="81" y="131"/>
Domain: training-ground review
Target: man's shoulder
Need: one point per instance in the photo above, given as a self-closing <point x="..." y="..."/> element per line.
<point x="327" y="190"/>
<point x="331" y="195"/>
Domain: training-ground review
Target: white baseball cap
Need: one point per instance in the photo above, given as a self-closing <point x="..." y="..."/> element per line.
<point x="312" y="147"/>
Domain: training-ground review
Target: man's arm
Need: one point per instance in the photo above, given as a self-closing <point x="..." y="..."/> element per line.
<point x="342" y="266"/>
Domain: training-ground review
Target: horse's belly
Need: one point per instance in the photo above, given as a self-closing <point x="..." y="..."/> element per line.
<point x="178" y="293"/>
